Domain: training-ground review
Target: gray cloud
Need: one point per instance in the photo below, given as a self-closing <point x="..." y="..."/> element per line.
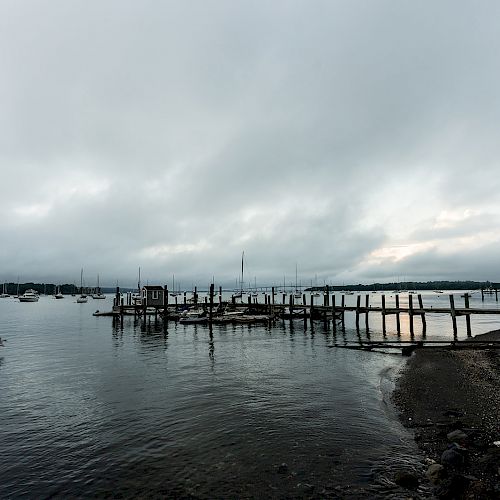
<point x="175" y="135"/>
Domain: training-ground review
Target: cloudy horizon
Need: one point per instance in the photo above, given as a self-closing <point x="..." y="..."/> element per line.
<point x="357" y="141"/>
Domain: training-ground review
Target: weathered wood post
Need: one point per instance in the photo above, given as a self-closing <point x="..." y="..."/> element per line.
<point x="410" y="312"/>
<point x="398" y="322"/>
<point x="304" y="302"/>
<point x="249" y="299"/>
<point x="496" y="294"/>
<point x="327" y="296"/>
<point x="482" y="294"/>
<point x="283" y="301"/>
<point x="185" y="298"/>
<point x="453" y="315"/>
<point x="334" y="313"/>
<point x="195" y="295"/>
<point x="291" y="306"/>
<point x="311" y="305"/>
<point x="358" y="302"/>
<point x="467" y="316"/>
<point x="210" y="311"/>
<point x="384" y="330"/>
<point x="367" y="307"/>
<point x="272" y="300"/>
<point x="342" y="304"/>
<point x="422" y="314"/>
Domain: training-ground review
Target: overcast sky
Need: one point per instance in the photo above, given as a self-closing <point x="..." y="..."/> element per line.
<point x="358" y="140"/>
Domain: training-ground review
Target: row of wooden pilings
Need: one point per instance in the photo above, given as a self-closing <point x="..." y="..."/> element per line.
<point x="329" y="306"/>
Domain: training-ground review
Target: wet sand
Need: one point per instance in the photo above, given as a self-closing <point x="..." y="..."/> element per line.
<point x="441" y="391"/>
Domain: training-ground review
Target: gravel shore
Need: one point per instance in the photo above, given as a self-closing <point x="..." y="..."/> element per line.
<point x="451" y="400"/>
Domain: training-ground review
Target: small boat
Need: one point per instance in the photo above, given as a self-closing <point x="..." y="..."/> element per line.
<point x="58" y="294"/>
<point x="29" y="296"/>
<point x="193" y="316"/>
<point x="438" y="291"/>
<point x="4" y="293"/>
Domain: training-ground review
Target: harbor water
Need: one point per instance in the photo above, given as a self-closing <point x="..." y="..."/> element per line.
<point x="91" y="407"/>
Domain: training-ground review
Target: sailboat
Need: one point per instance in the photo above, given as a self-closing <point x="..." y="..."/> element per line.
<point x="174" y="293"/>
<point x="83" y="298"/>
<point x="99" y="294"/>
<point x="136" y="297"/>
<point x="255" y="293"/>
<point x="239" y="294"/>
<point x="4" y="293"/>
<point x="298" y="293"/>
<point x="57" y="293"/>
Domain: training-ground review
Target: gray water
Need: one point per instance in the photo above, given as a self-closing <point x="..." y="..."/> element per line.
<point x="92" y="408"/>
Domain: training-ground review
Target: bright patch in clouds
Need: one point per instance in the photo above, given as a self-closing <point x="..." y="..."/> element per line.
<point x="165" y="251"/>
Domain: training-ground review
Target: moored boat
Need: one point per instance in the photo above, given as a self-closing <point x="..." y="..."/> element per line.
<point x="29" y="296"/>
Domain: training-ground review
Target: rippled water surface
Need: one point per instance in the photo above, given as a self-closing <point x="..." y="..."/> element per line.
<point x="91" y="408"/>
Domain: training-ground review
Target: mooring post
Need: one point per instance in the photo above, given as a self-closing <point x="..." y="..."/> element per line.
<point x="311" y="304"/>
<point x="496" y="294"/>
<point x="210" y="311"/>
<point x="342" y="304"/>
<point x="165" y="302"/>
<point x="467" y="316"/>
<point x="482" y="294"/>
<point x="291" y="305"/>
<point x="304" y="302"/>
<point x="185" y="298"/>
<point x="422" y="314"/>
<point x="383" y="314"/>
<point x="249" y="299"/>
<point x="327" y="295"/>
<point x="233" y="300"/>
<point x="195" y="295"/>
<point x="410" y="312"/>
<point x="358" y="302"/>
<point x="453" y="315"/>
<point x="334" y="313"/>
<point x="367" y="307"/>
<point x="398" y="323"/>
<point x="176" y="303"/>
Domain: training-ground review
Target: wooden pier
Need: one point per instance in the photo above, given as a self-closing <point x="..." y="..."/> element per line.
<point x="287" y="307"/>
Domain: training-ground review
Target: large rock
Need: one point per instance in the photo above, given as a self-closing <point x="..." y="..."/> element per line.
<point x="406" y="479"/>
<point x="435" y="473"/>
<point x="452" y="457"/>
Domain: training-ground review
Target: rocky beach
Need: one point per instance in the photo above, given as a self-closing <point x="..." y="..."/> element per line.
<point x="450" y="399"/>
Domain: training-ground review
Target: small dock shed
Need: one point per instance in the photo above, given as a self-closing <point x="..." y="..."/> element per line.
<point x="152" y="295"/>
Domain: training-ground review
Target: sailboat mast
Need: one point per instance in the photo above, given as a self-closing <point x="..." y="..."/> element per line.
<point x="241" y="283"/>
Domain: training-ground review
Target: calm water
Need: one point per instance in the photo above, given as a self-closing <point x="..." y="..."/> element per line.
<point x="88" y="408"/>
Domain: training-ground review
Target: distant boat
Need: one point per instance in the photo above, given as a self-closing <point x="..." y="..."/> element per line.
<point x="438" y="291"/>
<point x="98" y="295"/>
<point x="298" y="293"/>
<point x="29" y="296"/>
<point x="83" y="298"/>
<point x="239" y="293"/>
<point x="4" y="293"/>
<point x="58" y="294"/>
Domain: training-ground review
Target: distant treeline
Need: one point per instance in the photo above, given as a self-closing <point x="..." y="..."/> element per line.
<point x="47" y="288"/>
<point x="412" y="285"/>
